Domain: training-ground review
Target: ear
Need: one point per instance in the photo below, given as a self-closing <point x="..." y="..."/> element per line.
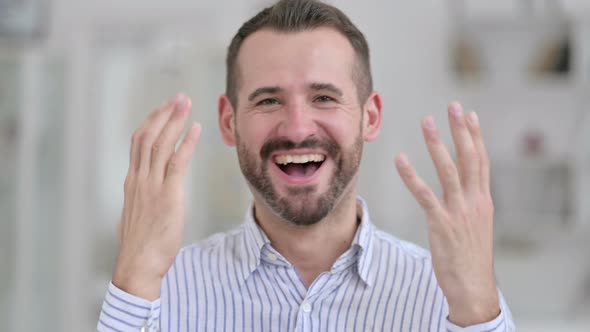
<point x="372" y="117"/>
<point x="226" y="121"/>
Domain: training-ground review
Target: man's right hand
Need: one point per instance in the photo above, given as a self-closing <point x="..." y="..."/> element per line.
<point x="152" y="223"/>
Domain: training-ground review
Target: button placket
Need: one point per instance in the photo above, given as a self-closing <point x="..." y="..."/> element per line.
<point x="306" y="307"/>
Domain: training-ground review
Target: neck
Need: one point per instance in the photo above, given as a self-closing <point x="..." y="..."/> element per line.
<point x="312" y="249"/>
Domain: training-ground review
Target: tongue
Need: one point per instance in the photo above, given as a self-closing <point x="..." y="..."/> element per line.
<point x="300" y="170"/>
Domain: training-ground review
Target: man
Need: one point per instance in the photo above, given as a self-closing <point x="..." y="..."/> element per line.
<point x="298" y="107"/>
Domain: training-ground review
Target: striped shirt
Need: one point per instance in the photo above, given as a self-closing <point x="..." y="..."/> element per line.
<point x="237" y="281"/>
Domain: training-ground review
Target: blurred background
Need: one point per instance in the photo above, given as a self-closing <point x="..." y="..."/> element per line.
<point x="77" y="78"/>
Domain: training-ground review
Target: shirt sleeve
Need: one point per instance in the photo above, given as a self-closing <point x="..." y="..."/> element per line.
<point x="123" y="312"/>
<point x="502" y="323"/>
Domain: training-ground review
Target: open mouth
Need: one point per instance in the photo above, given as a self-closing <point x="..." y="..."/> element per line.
<point x="301" y="166"/>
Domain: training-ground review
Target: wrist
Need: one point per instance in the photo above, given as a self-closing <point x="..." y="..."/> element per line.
<point x="137" y="281"/>
<point x="145" y="288"/>
<point x="467" y="313"/>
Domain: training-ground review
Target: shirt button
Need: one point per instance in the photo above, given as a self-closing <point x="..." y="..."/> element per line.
<point x="272" y="257"/>
<point x="306" y="307"/>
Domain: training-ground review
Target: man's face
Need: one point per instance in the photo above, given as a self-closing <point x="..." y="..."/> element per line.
<point x="298" y="121"/>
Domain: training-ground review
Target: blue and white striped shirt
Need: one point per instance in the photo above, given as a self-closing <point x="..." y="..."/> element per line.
<point x="238" y="282"/>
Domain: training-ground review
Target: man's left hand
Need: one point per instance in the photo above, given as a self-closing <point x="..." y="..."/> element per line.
<point x="460" y="225"/>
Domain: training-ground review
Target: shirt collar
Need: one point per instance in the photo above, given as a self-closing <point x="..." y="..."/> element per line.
<point x="256" y="243"/>
<point x="364" y="239"/>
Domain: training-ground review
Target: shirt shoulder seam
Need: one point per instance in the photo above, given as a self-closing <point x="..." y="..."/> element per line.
<point x="215" y="240"/>
<point x="406" y="247"/>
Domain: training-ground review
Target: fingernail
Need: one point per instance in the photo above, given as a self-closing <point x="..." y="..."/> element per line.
<point x="429" y="123"/>
<point x="456" y="110"/>
<point x="178" y="98"/>
<point x="473" y="118"/>
<point x="187" y="103"/>
<point x="402" y="160"/>
<point x="183" y="102"/>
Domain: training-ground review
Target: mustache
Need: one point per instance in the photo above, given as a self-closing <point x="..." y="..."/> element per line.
<point x="327" y="145"/>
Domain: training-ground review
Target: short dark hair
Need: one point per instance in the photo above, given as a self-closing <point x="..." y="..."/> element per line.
<point x="296" y="16"/>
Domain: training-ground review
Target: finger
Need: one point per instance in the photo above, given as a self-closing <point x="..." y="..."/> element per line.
<point x="178" y="163"/>
<point x="445" y="167"/>
<point x="419" y="189"/>
<point x="149" y="133"/>
<point x="484" y="160"/>
<point x="134" y="153"/>
<point x="135" y="149"/>
<point x="165" y="144"/>
<point x="467" y="157"/>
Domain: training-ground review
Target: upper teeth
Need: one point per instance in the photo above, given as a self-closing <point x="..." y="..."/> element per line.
<point x="299" y="159"/>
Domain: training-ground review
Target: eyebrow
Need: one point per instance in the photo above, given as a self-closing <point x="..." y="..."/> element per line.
<point x="314" y="86"/>
<point x="328" y="87"/>
<point x="263" y="90"/>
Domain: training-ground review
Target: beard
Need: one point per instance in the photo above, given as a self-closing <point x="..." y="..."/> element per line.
<point x="301" y="205"/>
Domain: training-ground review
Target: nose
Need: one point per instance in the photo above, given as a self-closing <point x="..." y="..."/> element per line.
<point x="297" y="122"/>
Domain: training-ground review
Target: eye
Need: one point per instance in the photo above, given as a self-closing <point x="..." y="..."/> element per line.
<point x="324" y="99"/>
<point x="267" y="101"/>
